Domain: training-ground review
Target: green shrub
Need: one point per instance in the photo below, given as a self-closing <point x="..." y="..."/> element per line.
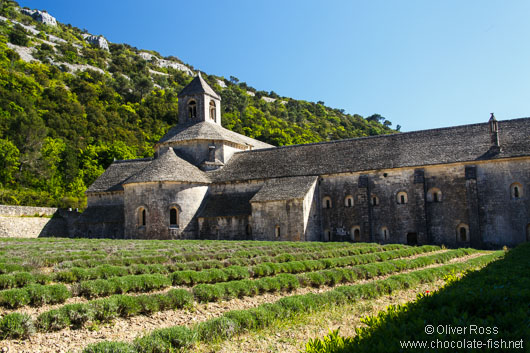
<point x="23" y="279"/>
<point x="316" y="279"/>
<point x="108" y="271"/>
<point x="7" y="281"/>
<point x="166" y="340"/>
<point x="127" y="305"/>
<point x="243" y="318"/>
<point x="97" y="288"/>
<point x="53" y="320"/>
<point x="262" y="270"/>
<point x="287" y="282"/>
<point x="208" y="292"/>
<point x="216" y="329"/>
<point x="333" y="342"/>
<point x="8" y="268"/>
<point x="180" y="298"/>
<point x="181" y="277"/>
<point x="263" y="316"/>
<point x="332" y="277"/>
<point x="105" y="309"/>
<point x="58" y="293"/>
<point x="14" y="298"/>
<point x="78" y="314"/>
<point x="148" y="304"/>
<point x="41" y="278"/>
<point x="110" y="347"/>
<point x="237" y="272"/>
<point x="268" y="284"/>
<point x="16" y="326"/>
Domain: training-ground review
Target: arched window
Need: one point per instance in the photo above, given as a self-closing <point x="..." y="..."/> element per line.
<point x="277" y="231"/>
<point x="173" y="217"/>
<point x="516" y="191"/>
<point x="356" y="233"/>
<point x="249" y="230"/>
<point x="384" y="233"/>
<point x="326" y="202"/>
<point x="142" y="217"/>
<point x="212" y="110"/>
<point x="348" y="201"/>
<point x="192" y="109"/>
<point x="462" y="233"/>
<point x="327" y="235"/>
<point x="374" y="200"/>
<point x="434" y="195"/>
<point x="402" y="197"/>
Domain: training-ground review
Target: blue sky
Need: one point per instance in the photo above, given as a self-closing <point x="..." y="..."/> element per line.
<point x="421" y="64"/>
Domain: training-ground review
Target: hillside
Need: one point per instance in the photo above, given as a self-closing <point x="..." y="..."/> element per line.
<point x="71" y="103"/>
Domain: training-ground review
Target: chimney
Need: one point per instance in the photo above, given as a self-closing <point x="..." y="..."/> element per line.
<point x="494" y="132"/>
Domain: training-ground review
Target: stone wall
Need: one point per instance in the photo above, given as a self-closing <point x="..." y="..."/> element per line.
<point x="225" y="228"/>
<point x="157" y="199"/>
<point x="6" y="210"/>
<point x="25" y="222"/>
<point x="476" y="197"/>
<point x="312" y="228"/>
<point x="278" y="220"/>
<point x="503" y="218"/>
<point x="105" y="198"/>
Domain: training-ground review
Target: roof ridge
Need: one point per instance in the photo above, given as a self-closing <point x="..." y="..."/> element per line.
<point x="133" y="160"/>
<point x="377" y="136"/>
<point x="168" y="167"/>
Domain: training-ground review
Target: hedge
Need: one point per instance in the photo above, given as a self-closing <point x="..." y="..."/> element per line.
<point x="103" y="310"/>
<point x="35" y="295"/>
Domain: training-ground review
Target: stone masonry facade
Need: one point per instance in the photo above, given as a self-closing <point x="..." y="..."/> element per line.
<point x="459" y="186"/>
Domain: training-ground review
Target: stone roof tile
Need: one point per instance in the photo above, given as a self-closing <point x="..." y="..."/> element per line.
<point x="169" y="167"/>
<point x="284" y="189"/>
<point x="224" y="205"/>
<point x="119" y="171"/>
<point x="465" y="143"/>
<point x="209" y="131"/>
<point x="198" y="86"/>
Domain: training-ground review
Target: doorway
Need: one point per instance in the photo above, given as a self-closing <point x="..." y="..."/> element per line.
<point x="412" y="238"/>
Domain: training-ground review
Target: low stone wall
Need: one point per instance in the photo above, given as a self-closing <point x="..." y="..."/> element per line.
<point x="35" y="222"/>
<point x="6" y="210"/>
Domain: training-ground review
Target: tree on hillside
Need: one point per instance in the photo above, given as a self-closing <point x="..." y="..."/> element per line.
<point x="9" y="163"/>
<point x="18" y="36"/>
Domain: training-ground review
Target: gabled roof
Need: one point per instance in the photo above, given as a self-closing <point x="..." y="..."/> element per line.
<point x="169" y="167"/>
<point x="119" y="171"/>
<point x="209" y="131"/>
<point x="225" y="205"/>
<point x="465" y="143"/>
<point x="198" y="86"/>
<point x="284" y="189"/>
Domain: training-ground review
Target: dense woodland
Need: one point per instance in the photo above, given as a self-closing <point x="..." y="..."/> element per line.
<point x="61" y="127"/>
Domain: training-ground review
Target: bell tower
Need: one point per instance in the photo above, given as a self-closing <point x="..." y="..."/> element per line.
<point x="198" y="102"/>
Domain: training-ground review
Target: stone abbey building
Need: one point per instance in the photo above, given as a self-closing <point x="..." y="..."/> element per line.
<point x="459" y="186"/>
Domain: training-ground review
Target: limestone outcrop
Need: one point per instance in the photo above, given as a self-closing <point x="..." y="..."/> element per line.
<point x="41" y="16"/>
<point x="165" y="63"/>
<point x="98" y="41"/>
